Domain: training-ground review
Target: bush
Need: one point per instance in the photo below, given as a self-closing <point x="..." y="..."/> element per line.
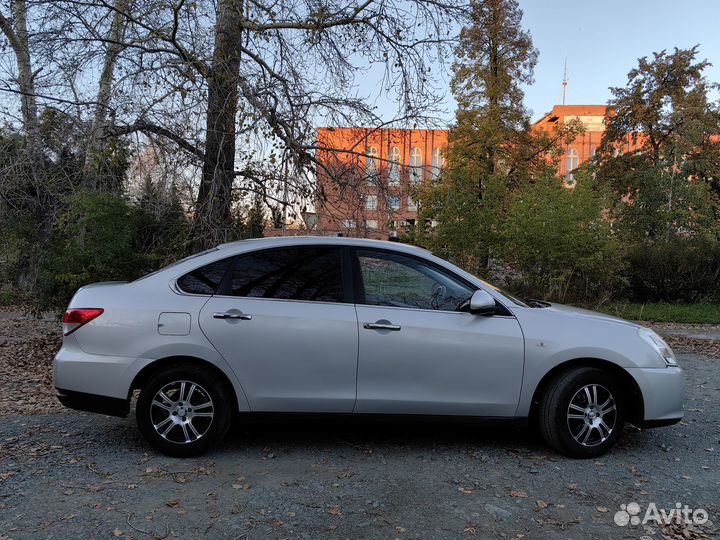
<point x="677" y="270"/>
<point x="558" y="245"/>
<point x="93" y="240"/>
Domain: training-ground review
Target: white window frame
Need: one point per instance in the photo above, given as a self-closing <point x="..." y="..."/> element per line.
<point x="416" y="164"/>
<point x="438" y="162"/>
<point x="394" y="166"/>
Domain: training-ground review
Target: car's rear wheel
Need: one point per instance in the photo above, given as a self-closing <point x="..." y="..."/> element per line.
<point x="183" y="411"/>
<point x="582" y="413"/>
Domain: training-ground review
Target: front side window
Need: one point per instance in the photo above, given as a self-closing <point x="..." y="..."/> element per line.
<point x="371" y="202"/>
<point x="394" y="202"/>
<point x="307" y="273"/>
<point x="391" y="279"/>
<point x="204" y="280"/>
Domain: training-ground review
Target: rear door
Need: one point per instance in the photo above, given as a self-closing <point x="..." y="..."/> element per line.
<point x="283" y="321"/>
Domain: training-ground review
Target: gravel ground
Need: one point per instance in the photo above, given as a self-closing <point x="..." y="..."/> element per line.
<point x="74" y="475"/>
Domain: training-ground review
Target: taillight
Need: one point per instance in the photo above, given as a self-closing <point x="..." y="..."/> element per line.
<point x="75" y="318"/>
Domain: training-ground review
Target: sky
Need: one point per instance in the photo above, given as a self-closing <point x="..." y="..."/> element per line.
<point x="602" y="41"/>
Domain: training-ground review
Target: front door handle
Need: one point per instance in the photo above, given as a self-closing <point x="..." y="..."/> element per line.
<point x="231" y="315"/>
<point x="381" y="326"/>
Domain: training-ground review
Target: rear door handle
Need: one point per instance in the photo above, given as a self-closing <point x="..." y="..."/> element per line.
<point x="381" y="326"/>
<point x="230" y="315"/>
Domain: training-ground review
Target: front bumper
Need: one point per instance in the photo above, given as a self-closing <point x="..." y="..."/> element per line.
<point x="93" y="403"/>
<point x="663" y="392"/>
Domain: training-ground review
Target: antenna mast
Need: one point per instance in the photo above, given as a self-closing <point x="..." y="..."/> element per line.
<point x="565" y="81"/>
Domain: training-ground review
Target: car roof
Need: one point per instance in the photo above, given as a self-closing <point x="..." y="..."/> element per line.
<point x="279" y="241"/>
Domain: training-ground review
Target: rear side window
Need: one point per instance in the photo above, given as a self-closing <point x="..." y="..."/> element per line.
<point x="307" y="273"/>
<point x="204" y="280"/>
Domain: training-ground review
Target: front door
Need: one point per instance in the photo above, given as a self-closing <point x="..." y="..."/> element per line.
<point x="419" y="355"/>
<point x="284" y="326"/>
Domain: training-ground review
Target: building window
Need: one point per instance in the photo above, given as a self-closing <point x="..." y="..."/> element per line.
<point x="371" y="224"/>
<point x="371" y="161"/>
<point x="412" y="204"/>
<point x="438" y="162"/>
<point x="416" y="163"/>
<point x="371" y="202"/>
<point x="349" y="223"/>
<point x="394" y="167"/>
<point x="571" y="163"/>
<point x="394" y="203"/>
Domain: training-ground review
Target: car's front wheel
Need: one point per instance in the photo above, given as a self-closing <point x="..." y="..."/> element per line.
<point x="183" y="411"/>
<point x="582" y="413"/>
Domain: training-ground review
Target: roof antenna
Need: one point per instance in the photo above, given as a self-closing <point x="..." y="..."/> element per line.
<point x="565" y="81"/>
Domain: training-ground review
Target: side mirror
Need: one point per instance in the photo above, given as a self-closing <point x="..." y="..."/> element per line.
<point x="482" y="303"/>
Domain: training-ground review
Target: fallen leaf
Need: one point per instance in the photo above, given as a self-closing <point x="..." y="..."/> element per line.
<point x="601" y="509"/>
<point x="542" y="504"/>
<point x="173" y="503"/>
<point x="518" y="493"/>
<point x="117" y="532"/>
<point x="335" y="511"/>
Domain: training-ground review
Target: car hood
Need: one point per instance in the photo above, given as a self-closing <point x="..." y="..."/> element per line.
<point x="561" y="309"/>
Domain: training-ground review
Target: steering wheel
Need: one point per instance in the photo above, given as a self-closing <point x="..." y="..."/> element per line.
<point x="439" y="291"/>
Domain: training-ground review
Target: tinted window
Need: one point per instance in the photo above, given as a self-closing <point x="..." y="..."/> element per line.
<point x="395" y="280"/>
<point x="291" y="274"/>
<point x="204" y="280"/>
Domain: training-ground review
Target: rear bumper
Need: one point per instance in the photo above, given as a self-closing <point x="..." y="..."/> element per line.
<point x="93" y="403"/>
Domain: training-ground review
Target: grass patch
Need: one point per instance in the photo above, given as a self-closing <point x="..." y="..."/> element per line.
<point x="661" y="312"/>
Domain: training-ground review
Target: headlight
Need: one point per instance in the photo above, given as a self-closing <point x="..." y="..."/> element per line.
<point x="658" y="345"/>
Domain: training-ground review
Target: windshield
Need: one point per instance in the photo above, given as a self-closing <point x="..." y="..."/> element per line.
<point x="505" y="294"/>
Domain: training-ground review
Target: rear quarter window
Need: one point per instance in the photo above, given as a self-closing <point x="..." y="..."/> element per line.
<point x="204" y="280"/>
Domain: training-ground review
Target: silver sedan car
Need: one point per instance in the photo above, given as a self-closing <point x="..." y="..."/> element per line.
<point x="350" y="326"/>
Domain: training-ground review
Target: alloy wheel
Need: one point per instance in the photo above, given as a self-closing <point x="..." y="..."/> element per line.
<point x="182" y="412"/>
<point x="592" y="415"/>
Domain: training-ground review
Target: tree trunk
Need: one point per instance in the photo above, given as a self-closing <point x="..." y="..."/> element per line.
<point x="94" y="152"/>
<point x="212" y="211"/>
<point x="17" y="36"/>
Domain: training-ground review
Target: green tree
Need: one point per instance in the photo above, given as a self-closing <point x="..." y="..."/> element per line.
<point x="495" y="56"/>
<point x="671" y="184"/>
<point x="558" y="243"/>
<point x="94" y="239"/>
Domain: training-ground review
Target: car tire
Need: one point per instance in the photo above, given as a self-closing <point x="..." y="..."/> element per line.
<point x="582" y="413"/>
<point x="184" y="411"/>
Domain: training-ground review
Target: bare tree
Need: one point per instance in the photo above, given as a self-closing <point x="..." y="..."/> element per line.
<point x="236" y="85"/>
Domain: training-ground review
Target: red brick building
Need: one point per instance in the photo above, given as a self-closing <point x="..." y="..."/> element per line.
<point x="585" y="145"/>
<point x="368" y="176"/>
